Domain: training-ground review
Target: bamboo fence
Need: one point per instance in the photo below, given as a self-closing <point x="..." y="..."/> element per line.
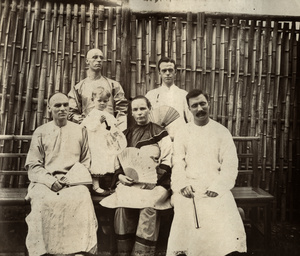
<point x="248" y="65"/>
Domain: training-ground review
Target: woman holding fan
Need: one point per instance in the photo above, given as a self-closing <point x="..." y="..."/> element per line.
<point x="137" y="197"/>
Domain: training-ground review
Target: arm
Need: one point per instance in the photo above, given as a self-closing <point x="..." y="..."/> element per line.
<point x="178" y="178"/>
<point x="35" y="163"/>
<point x="164" y="168"/>
<point x="75" y="112"/>
<point x="120" y="105"/>
<point x="85" y="157"/>
<point x="229" y="164"/>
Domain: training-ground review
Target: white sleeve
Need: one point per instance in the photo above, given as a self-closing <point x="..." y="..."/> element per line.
<point x="178" y="177"/>
<point x="229" y="167"/>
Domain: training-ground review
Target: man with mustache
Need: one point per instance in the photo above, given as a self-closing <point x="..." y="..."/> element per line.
<point x="62" y="220"/>
<point x="80" y="96"/>
<point x="204" y="171"/>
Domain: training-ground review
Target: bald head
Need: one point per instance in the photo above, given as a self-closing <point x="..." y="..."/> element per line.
<point x="93" y="52"/>
<point x="94" y="60"/>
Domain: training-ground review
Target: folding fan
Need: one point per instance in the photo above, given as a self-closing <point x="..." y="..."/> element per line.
<point x="163" y="115"/>
<point x="139" y="167"/>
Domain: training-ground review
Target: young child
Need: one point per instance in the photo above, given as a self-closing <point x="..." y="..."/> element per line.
<point x="98" y="122"/>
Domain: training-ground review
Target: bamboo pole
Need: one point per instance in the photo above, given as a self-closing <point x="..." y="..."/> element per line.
<point x="222" y="96"/>
<point x="101" y="26"/>
<point x="269" y="126"/>
<point x="42" y="81"/>
<point x="143" y="57"/>
<point x="147" y="57"/>
<point x="118" y="43"/>
<point x="133" y="89"/>
<point x="153" y="72"/>
<point x="125" y="53"/>
<point x="246" y="89"/>
<point x="92" y="25"/>
<point x="189" y="29"/>
<point x="32" y="71"/>
<point x="178" y="33"/>
<point x="253" y="87"/>
<point x="81" y="43"/>
<point x="109" y="42"/>
<point x="67" y="52"/>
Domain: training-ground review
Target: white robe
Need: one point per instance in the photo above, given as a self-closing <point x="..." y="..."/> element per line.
<point x="173" y="97"/>
<point x="205" y="158"/>
<point x="102" y="161"/>
<point x="60" y="222"/>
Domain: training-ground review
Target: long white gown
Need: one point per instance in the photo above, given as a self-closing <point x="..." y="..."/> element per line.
<point x="205" y="158"/>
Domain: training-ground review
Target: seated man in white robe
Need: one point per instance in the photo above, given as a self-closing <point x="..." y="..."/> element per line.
<point x="206" y="219"/>
<point x="62" y="220"/>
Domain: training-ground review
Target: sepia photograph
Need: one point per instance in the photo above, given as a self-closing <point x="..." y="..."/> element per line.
<point x="149" y="128"/>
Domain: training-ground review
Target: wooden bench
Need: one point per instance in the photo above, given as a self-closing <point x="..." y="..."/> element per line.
<point x="247" y="193"/>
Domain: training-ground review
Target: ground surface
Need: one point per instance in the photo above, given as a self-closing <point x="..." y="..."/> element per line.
<point x="285" y="237"/>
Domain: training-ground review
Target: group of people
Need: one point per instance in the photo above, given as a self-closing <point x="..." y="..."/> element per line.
<point x="195" y="163"/>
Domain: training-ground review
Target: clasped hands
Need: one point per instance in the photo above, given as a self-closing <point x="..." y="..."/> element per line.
<point x="188" y="192"/>
<point x="125" y="180"/>
<point x="60" y="184"/>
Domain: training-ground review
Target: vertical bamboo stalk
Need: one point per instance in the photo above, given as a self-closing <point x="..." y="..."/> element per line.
<point x="221" y="99"/>
<point x="269" y="128"/>
<point x="147" y="60"/>
<point x="81" y="42"/>
<point x="178" y="32"/>
<point x="139" y="58"/>
<point x="109" y="41"/>
<point x="125" y="50"/>
<point x="153" y="72"/>
<point x="227" y="70"/>
<point x="189" y="31"/>
<point x="143" y="56"/>
<point x="133" y="90"/>
<point x="32" y="71"/>
<point x="169" y="30"/>
<point x="253" y="86"/>
<point x="245" y="90"/>
<point x="42" y="82"/>
<point x="92" y="25"/>
<point x="118" y="43"/>
<point x="101" y="26"/>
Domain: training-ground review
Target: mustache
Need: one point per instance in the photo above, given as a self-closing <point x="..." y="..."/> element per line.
<point x="200" y="113"/>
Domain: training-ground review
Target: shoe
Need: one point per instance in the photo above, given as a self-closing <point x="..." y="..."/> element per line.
<point x="101" y="192"/>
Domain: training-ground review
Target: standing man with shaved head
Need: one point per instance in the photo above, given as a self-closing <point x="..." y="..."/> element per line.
<point x="81" y="94"/>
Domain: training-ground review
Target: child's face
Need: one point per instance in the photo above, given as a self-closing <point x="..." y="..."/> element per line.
<point x="100" y="102"/>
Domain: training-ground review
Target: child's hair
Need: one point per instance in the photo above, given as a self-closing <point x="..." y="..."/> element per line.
<point x="100" y="91"/>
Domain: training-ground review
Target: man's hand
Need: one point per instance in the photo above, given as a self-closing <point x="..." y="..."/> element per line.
<point x="56" y="186"/>
<point x="211" y="193"/>
<point x="125" y="180"/>
<point x="187" y="191"/>
<point x="102" y="119"/>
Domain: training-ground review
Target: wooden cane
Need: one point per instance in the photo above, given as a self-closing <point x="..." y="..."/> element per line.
<point x="195" y="215"/>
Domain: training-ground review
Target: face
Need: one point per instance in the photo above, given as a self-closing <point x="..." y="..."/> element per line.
<point x="59" y="107"/>
<point x="200" y="109"/>
<point x="94" y="59"/>
<point x="100" y="101"/>
<point x="140" y="111"/>
<point x="167" y="73"/>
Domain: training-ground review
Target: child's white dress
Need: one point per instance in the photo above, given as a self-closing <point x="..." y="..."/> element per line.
<point x="103" y="160"/>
